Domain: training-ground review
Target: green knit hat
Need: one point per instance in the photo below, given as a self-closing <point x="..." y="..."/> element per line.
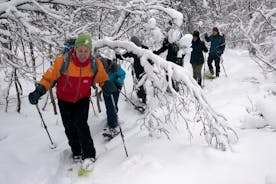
<point x="83" y="40"/>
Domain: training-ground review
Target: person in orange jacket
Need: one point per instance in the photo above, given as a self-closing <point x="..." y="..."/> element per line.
<point x="73" y="92"/>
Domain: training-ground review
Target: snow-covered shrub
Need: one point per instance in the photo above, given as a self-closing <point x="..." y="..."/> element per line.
<point x="262" y="111"/>
<point x="267" y="108"/>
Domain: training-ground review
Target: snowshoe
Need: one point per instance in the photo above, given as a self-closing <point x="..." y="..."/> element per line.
<point x="140" y="108"/>
<point x="86" y="166"/>
<point x="209" y="76"/>
<point x="110" y="133"/>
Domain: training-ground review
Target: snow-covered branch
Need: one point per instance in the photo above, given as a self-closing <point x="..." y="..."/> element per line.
<point x="166" y="107"/>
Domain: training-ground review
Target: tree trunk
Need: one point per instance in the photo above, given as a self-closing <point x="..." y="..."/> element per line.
<point x="33" y="60"/>
<point x="51" y="89"/>
<point x="18" y="91"/>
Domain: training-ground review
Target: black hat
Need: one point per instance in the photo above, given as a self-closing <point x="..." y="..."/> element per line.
<point x="136" y="41"/>
<point x="196" y="33"/>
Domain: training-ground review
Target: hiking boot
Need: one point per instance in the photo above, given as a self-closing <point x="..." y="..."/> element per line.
<point x="77" y="158"/>
<point x="114" y="131"/>
<point x="111" y="132"/>
<point x="199" y="82"/>
<point x="211" y="71"/>
<point x="217" y="74"/>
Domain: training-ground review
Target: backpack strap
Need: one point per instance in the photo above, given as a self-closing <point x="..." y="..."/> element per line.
<point x="65" y="64"/>
<point x="94" y="68"/>
<point x="66" y="61"/>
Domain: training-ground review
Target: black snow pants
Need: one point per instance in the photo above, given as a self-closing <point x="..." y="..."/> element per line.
<point x="74" y="117"/>
<point x="211" y="58"/>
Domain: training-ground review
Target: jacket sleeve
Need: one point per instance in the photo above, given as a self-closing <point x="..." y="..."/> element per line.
<point x="101" y="75"/>
<point x="52" y="74"/>
<point x="222" y="45"/>
<point x="163" y="48"/>
<point x="121" y="75"/>
<point x="204" y="48"/>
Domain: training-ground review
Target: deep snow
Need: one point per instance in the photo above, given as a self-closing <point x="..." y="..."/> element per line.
<point x="26" y="157"/>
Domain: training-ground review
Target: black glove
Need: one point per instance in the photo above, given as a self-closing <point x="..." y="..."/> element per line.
<point x="219" y="54"/>
<point x="109" y="87"/>
<point x="36" y="94"/>
<point x="179" y="61"/>
<point x="119" y="86"/>
<point x="118" y="56"/>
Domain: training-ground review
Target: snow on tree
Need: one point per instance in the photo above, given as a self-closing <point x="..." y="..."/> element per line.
<point x="153" y="35"/>
<point x="188" y="105"/>
<point x="260" y="32"/>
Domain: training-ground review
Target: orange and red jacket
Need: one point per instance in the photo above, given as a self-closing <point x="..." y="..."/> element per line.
<point x="76" y="81"/>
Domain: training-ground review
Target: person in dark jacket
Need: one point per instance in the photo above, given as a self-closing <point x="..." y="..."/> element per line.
<point x="117" y="75"/>
<point x="197" y="59"/>
<point x="172" y="52"/>
<point x="138" y="68"/>
<point x="171" y="56"/>
<point x="216" y="50"/>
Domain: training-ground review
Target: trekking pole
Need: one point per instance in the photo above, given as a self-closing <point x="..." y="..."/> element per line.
<point x="121" y="132"/>
<point x="141" y="109"/>
<point x="53" y="145"/>
<point x="223" y="67"/>
<point x="93" y="106"/>
<point x="204" y="70"/>
<point x="98" y="99"/>
<point x="125" y="89"/>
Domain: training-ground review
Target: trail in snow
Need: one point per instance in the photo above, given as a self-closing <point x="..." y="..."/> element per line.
<point x="26" y="157"/>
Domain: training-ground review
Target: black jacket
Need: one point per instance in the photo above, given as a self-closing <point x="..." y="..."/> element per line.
<point x="172" y="50"/>
<point x="197" y="55"/>
<point x="138" y="68"/>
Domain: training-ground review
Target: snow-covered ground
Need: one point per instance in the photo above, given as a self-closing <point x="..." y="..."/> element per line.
<point x="26" y="157"/>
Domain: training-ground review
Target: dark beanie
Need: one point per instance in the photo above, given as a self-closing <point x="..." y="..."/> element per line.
<point x="196" y="33"/>
<point x="136" y="41"/>
<point x="215" y="29"/>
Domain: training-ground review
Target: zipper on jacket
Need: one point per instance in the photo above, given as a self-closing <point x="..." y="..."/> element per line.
<point x="79" y="83"/>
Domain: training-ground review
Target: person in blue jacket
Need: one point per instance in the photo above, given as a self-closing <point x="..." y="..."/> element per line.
<point x="117" y="75"/>
<point x="216" y="50"/>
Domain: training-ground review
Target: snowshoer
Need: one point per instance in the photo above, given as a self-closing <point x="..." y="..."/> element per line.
<point x="73" y="93"/>
<point x="117" y="76"/>
<point x="216" y="49"/>
<point x="170" y="44"/>
<point x="138" y="68"/>
<point x="172" y="52"/>
<point x="197" y="58"/>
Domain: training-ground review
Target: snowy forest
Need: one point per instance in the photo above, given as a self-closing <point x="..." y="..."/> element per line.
<point x="223" y="131"/>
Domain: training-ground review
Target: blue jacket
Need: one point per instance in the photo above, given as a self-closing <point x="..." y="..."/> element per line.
<point x="116" y="74"/>
<point x="217" y="44"/>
